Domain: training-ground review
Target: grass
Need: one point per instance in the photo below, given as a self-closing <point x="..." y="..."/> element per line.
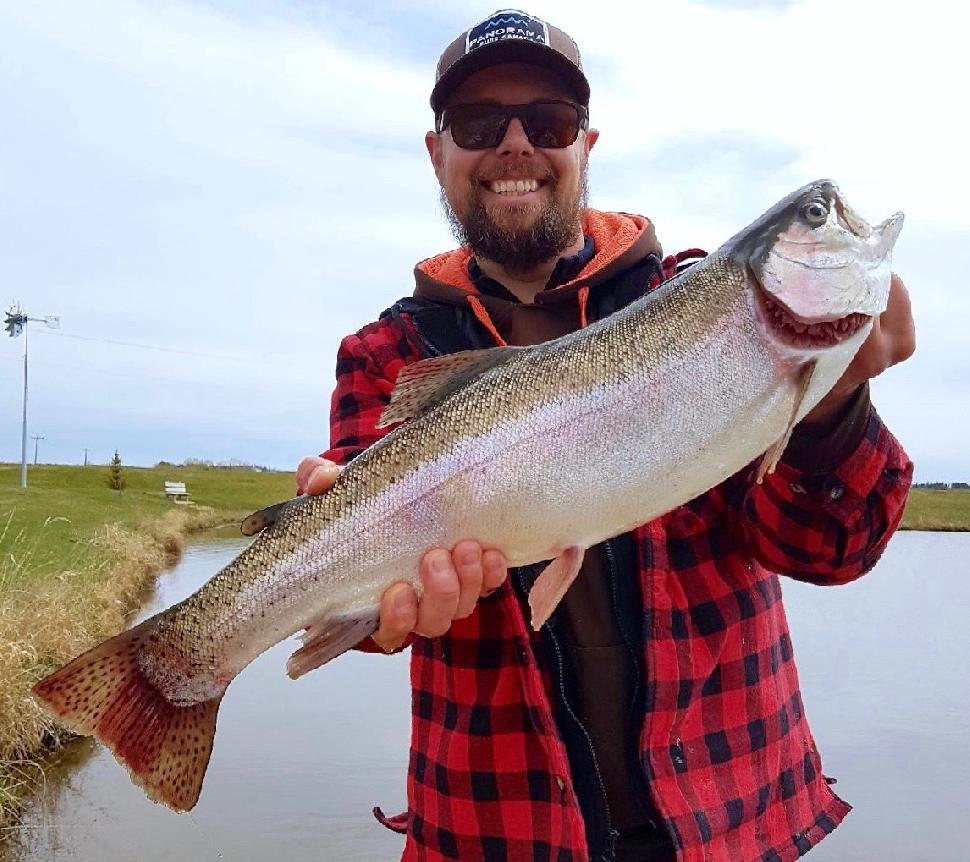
<point x="73" y="502"/>
<point x="75" y="561"/>
<point x="930" y="509"/>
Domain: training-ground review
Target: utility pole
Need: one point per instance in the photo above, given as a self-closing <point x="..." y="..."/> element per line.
<point x="85" y="456"/>
<point x="15" y="323"/>
<point x="36" y="439"/>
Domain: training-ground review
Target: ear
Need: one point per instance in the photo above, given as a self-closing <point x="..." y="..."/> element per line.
<point x="432" y="140"/>
<point x="592" y="136"/>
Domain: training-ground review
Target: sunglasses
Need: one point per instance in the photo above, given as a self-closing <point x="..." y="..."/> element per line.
<point x="550" y="124"/>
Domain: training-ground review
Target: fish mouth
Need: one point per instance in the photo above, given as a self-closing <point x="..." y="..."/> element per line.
<point x="795" y="332"/>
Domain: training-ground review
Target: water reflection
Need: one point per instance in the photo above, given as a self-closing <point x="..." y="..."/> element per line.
<point x="297" y="766"/>
<point x="295" y="771"/>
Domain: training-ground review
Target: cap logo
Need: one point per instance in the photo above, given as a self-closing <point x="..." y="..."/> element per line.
<point x="507" y="24"/>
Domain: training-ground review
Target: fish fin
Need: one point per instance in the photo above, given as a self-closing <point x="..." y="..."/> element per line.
<point x="422" y="385"/>
<point x="771" y="458"/>
<point x="552" y="583"/>
<point x="259" y="521"/>
<point x="328" y="636"/>
<point x="103" y="693"/>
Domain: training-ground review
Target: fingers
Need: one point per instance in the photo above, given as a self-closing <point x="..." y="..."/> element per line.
<point x="467" y="560"/>
<point x="399" y="616"/>
<point x="316" y="475"/>
<point x="897" y="322"/>
<point x="453" y="583"/>
<point x="494" y="571"/>
<point x="892" y="340"/>
<point x="442" y="591"/>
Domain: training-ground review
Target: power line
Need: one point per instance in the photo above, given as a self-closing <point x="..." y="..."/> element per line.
<point x="142" y="346"/>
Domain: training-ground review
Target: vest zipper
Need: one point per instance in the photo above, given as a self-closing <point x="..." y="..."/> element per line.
<point x="611" y="834"/>
<point x="637" y="663"/>
<point x="609" y="854"/>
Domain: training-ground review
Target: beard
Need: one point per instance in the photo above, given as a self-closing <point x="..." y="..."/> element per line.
<point x="519" y="249"/>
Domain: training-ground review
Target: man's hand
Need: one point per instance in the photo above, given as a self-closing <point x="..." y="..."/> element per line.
<point x="453" y="581"/>
<point x="892" y="340"/>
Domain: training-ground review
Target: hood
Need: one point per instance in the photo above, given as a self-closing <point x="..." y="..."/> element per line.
<point x="620" y="240"/>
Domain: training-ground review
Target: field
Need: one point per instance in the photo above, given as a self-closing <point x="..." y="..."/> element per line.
<point x="929" y="509"/>
<point x="51" y="524"/>
<point x="75" y="560"/>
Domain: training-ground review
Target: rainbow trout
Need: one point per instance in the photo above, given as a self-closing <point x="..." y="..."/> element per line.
<point x="539" y="451"/>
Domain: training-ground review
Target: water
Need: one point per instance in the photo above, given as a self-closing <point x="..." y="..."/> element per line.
<point x="297" y="766"/>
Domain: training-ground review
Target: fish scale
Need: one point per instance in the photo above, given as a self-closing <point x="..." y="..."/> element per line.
<point x="538" y="451"/>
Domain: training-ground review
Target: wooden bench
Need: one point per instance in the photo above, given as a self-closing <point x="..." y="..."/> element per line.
<point x="176" y="491"/>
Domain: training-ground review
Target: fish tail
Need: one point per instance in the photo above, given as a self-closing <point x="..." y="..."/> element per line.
<point x="104" y="693"/>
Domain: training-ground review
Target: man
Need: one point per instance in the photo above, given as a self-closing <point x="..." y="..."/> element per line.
<point x="657" y="715"/>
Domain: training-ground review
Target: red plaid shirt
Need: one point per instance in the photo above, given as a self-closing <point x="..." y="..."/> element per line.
<point x="724" y="743"/>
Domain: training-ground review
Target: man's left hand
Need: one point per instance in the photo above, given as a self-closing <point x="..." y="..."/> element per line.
<point x="892" y="340"/>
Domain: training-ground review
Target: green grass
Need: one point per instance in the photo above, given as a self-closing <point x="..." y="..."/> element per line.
<point x="63" y="507"/>
<point x="930" y="509"/>
<point x="75" y="559"/>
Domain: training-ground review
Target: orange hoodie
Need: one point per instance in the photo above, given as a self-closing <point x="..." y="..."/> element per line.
<point x="620" y="239"/>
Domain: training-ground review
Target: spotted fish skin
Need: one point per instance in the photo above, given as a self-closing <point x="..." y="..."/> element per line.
<point x="538" y="451"/>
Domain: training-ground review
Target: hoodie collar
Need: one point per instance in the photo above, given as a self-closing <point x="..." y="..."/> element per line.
<point x="619" y="239"/>
<point x="566" y="269"/>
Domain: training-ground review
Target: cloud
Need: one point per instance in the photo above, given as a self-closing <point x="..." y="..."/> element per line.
<point x="247" y="182"/>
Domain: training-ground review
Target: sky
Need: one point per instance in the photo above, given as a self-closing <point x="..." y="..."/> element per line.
<point x="210" y="195"/>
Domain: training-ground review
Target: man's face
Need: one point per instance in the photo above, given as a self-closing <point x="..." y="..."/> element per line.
<point x="517" y="230"/>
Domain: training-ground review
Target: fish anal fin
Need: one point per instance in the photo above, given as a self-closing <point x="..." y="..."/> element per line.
<point x="328" y="636"/>
<point x="103" y="693"/>
<point x="422" y="385"/>
<point x="771" y="458"/>
<point x="552" y="583"/>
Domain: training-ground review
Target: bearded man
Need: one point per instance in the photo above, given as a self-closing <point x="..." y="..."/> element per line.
<point x="657" y="715"/>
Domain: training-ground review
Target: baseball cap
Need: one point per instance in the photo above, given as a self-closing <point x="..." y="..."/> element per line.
<point x="509" y="36"/>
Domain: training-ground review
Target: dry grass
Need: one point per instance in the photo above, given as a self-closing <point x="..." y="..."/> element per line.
<point x="45" y="622"/>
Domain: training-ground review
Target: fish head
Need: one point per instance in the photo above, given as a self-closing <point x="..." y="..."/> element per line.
<point x="822" y="272"/>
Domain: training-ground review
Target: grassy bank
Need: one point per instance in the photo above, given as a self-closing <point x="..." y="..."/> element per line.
<point x="930" y="509"/>
<point x="75" y="561"/>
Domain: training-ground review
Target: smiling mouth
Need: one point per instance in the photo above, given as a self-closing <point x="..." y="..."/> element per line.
<point x="513" y="187"/>
<point x="797" y="333"/>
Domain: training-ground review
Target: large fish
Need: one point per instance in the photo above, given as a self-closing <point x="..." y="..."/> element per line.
<point x="539" y="451"/>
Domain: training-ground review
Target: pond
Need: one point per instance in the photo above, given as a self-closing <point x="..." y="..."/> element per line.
<point x="297" y="766"/>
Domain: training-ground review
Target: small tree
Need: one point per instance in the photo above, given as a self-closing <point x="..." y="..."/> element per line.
<point x="116" y="476"/>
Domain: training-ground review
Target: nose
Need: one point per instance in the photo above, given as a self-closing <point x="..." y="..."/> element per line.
<point x="516" y="141"/>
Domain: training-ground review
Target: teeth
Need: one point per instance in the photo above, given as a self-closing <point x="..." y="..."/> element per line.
<point x="513" y="187"/>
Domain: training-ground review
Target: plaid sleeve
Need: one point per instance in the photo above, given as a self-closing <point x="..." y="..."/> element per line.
<point x="367" y="366"/>
<point x="826" y="528"/>
<point x="368" y="363"/>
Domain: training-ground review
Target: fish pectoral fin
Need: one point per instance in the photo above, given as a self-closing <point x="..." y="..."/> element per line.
<point x="771" y="458"/>
<point x="328" y="636"/>
<point x="422" y="385"/>
<point x="259" y="521"/>
<point x="552" y="583"/>
<point x="105" y="694"/>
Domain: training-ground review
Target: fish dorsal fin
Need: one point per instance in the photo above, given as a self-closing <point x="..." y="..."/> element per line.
<point x="422" y="385"/>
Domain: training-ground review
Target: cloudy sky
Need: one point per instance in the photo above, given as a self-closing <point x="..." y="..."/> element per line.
<point x="211" y="194"/>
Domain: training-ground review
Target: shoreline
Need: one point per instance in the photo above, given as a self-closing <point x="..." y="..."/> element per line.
<point x="47" y="623"/>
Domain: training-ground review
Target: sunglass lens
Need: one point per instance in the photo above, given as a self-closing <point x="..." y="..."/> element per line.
<point x="478" y="127"/>
<point x="552" y="125"/>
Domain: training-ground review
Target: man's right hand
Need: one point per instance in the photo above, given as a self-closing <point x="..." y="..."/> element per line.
<point x="453" y="580"/>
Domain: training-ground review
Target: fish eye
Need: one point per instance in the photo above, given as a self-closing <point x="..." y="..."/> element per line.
<point x="815" y="213"/>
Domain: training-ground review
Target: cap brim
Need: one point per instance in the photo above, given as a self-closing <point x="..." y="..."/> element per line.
<point x="509" y="51"/>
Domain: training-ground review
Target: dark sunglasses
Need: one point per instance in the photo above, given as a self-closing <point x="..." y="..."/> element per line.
<point x="551" y="124"/>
